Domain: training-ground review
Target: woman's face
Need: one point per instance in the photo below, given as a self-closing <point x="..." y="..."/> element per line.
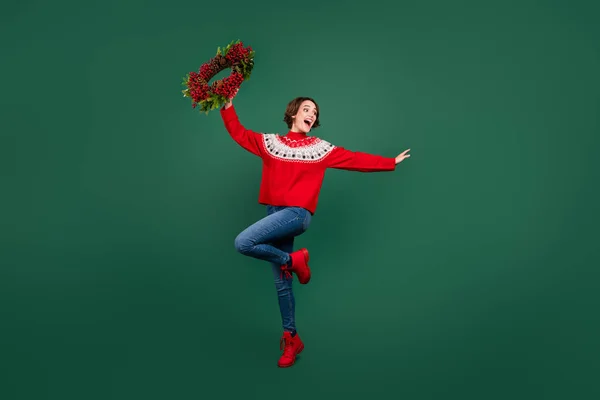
<point x="305" y="117"/>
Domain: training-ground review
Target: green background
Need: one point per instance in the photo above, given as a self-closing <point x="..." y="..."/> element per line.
<point x="469" y="273"/>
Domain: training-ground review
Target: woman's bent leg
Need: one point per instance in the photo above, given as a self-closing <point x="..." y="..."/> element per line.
<point x="255" y="241"/>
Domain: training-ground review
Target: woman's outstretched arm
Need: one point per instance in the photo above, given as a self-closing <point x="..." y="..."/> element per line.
<point x="341" y="158"/>
<point x="249" y="140"/>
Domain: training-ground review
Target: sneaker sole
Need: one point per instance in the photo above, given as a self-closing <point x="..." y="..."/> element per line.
<point x="306" y="259"/>
<point x="306" y="254"/>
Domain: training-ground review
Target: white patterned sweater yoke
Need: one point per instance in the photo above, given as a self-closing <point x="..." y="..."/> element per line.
<point x="307" y="150"/>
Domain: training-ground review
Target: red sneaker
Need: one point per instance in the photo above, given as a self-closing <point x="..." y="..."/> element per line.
<point x="291" y="346"/>
<point x="299" y="265"/>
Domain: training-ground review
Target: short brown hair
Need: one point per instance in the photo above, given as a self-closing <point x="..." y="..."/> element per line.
<point x="292" y="109"/>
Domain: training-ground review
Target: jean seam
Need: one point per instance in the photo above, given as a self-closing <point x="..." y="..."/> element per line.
<point x="274" y="254"/>
<point x="282" y="225"/>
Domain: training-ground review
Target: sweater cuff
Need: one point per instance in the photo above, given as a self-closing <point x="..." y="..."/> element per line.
<point x="228" y="113"/>
<point x="392" y="164"/>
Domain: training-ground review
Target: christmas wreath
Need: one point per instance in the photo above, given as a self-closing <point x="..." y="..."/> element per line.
<point x="235" y="56"/>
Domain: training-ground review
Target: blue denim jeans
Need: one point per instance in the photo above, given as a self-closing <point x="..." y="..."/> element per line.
<point x="272" y="239"/>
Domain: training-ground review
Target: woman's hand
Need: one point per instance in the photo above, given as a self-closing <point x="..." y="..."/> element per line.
<point x="402" y="156"/>
<point x="230" y="102"/>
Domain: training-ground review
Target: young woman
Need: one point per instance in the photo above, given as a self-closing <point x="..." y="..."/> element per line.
<point x="294" y="166"/>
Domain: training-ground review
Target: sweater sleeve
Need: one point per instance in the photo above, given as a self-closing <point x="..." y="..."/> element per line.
<point x="249" y="140"/>
<point x="341" y="158"/>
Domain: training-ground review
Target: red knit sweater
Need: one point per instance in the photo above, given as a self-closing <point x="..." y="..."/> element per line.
<point x="294" y="164"/>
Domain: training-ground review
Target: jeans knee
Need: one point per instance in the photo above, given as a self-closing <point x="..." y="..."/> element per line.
<point x="242" y="244"/>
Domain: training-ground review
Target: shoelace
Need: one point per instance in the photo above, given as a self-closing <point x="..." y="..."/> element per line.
<point x="286" y="346"/>
<point x="286" y="271"/>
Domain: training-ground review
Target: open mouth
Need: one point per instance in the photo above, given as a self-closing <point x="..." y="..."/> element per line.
<point x="307" y="122"/>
